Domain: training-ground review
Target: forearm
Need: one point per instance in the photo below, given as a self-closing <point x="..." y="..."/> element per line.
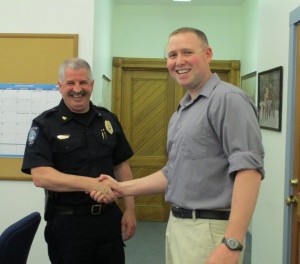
<point x="51" y="179"/>
<point x="244" y="197"/>
<point x="123" y="173"/>
<point x="151" y="184"/>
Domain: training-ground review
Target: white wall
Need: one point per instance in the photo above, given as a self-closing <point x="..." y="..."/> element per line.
<point x="273" y="50"/>
<point x="18" y="199"/>
<point x="41" y="16"/>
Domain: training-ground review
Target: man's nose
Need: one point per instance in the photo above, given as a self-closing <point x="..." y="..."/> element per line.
<point x="180" y="59"/>
<point x="77" y="87"/>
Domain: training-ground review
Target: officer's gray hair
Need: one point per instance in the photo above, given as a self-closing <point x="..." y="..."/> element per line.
<point x="74" y="63"/>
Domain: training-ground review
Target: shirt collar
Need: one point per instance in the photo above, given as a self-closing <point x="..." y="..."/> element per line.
<point x="206" y="91"/>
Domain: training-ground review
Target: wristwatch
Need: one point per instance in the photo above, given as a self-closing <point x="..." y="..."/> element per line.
<point x="232" y="243"/>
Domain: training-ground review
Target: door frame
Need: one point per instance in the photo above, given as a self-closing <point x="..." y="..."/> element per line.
<point x="229" y="67"/>
<point x="294" y="19"/>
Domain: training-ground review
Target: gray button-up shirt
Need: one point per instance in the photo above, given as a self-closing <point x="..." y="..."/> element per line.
<point x="209" y="140"/>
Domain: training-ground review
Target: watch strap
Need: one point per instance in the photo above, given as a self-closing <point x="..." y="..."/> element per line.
<point x="232" y="244"/>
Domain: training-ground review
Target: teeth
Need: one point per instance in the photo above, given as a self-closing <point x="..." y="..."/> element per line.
<point x="76" y="95"/>
<point x="182" y="71"/>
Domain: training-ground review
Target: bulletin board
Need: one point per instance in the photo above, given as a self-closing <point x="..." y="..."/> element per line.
<point x="31" y="59"/>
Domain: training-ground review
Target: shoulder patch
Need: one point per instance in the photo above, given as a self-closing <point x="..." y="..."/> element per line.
<point x="32" y="135"/>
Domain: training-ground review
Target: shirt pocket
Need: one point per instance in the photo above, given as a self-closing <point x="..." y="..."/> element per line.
<point x="103" y="144"/>
<point x="195" y="143"/>
<point x="66" y="145"/>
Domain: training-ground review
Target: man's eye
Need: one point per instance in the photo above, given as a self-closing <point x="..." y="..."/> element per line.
<point x="171" y="56"/>
<point x="70" y="83"/>
<point x="84" y="83"/>
<point x="187" y="52"/>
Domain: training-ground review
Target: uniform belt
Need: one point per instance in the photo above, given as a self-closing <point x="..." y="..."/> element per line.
<point x="204" y="214"/>
<point x="95" y="209"/>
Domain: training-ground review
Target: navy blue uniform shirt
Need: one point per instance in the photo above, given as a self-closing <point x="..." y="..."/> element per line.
<point x="88" y="145"/>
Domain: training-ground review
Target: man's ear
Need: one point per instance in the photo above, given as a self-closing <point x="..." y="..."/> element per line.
<point x="209" y="54"/>
<point x="59" y="86"/>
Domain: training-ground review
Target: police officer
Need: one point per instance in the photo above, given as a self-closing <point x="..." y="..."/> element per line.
<point x="67" y="149"/>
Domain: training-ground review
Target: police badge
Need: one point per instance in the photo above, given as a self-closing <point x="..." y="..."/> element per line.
<point x="108" y="127"/>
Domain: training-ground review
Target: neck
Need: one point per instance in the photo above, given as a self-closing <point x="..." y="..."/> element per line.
<point x="194" y="91"/>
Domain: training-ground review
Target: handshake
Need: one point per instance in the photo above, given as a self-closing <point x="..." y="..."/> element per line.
<point x="106" y="190"/>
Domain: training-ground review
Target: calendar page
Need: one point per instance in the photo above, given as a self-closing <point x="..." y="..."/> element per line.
<point x="19" y="105"/>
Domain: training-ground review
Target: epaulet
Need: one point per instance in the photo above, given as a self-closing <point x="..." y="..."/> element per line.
<point x="47" y="113"/>
<point x="101" y="108"/>
<point x="104" y="111"/>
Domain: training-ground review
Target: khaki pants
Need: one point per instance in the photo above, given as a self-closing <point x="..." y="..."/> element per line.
<point x="191" y="241"/>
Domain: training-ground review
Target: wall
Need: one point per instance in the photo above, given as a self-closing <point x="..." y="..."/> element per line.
<point x="249" y="37"/>
<point x="142" y="31"/>
<point x="18" y="199"/>
<point x="102" y="52"/>
<point x="272" y="51"/>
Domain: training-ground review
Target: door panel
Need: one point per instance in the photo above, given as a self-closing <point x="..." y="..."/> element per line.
<point x="144" y="97"/>
<point x="145" y="118"/>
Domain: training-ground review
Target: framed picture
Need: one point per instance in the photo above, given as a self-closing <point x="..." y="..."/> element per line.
<point x="248" y="84"/>
<point x="270" y="98"/>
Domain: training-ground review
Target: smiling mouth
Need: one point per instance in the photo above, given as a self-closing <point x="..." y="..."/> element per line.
<point x="182" y="71"/>
<point x="77" y="95"/>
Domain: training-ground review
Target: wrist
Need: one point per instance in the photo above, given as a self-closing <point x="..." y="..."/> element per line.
<point x="232" y="243"/>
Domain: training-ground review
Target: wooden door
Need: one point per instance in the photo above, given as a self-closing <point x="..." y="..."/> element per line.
<point x="144" y="98"/>
<point x="295" y="181"/>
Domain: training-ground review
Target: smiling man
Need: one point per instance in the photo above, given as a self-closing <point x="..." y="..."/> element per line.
<point x="67" y="149"/>
<point x="215" y="160"/>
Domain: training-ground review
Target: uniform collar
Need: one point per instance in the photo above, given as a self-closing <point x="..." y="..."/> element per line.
<point x="66" y="115"/>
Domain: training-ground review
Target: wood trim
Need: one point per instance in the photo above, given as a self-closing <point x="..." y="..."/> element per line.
<point x="229" y="67"/>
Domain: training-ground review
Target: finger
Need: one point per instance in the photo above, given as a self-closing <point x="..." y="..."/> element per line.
<point x="106" y="199"/>
<point x="97" y="195"/>
<point x="92" y="192"/>
<point x="110" y="197"/>
<point x="103" y="177"/>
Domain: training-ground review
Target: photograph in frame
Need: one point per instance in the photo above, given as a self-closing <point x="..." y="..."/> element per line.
<point x="248" y="85"/>
<point x="270" y="98"/>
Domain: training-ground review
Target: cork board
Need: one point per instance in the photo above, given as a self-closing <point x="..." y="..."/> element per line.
<point x="31" y="59"/>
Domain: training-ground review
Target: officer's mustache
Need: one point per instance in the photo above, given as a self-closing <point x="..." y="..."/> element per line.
<point x="77" y="94"/>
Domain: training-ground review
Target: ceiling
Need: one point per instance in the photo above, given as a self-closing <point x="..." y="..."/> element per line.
<point x="170" y="2"/>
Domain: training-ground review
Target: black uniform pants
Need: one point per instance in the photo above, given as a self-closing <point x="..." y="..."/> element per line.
<point x="86" y="239"/>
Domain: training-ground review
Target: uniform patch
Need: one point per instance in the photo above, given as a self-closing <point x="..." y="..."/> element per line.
<point x="32" y="135"/>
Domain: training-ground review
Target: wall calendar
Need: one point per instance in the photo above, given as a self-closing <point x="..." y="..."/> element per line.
<point x="19" y="105"/>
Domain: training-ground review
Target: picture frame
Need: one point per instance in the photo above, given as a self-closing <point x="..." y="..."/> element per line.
<point x="270" y="98"/>
<point x="248" y="85"/>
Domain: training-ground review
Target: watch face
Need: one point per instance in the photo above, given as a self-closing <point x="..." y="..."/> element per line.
<point x="232" y="243"/>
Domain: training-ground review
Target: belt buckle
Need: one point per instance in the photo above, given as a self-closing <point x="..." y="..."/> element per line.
<point x="96" y="209"/>
<point x="178" y="209"/>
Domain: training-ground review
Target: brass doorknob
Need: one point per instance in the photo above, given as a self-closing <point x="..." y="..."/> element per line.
<point x="291" y="200"/>
<point x="294" y="182"/>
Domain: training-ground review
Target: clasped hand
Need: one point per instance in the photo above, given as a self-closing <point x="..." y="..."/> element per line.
<point x="108" y="191"/>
